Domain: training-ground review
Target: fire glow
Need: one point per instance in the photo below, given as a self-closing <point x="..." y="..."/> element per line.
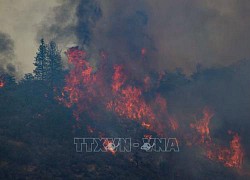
<point x="231" y="156"/>
<point x="2" y="83"/>
<point x="85" y="88"/>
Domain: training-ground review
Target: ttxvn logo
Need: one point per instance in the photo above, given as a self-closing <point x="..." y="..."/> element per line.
<point x="114" y="145"/>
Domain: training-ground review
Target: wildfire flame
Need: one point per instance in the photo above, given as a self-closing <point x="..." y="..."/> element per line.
<point x="230" y="156"/>
<point x="109" y="146"/>
<point x="129" y="102"/>
<point x="84" y="87"/>
<point x="202" y="126"/>
<point x="80" y="83"/>
<point x="86" y="90"/>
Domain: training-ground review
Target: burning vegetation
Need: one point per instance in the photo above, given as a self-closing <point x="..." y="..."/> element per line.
<point x="85" y="88"/>
<point x="145" y="84"/>
<point x="231" y="156"/>
<point x="108" y="100"/>
<point x="90" y="94"/>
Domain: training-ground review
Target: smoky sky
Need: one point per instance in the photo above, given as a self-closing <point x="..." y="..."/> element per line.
<point x="6" y="54"/>
<point x="176" y="34"/>
<point x="20" y="19"/>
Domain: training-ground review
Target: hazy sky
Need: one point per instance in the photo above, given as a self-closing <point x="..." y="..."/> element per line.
<point x="183" y="32"/>
<point x="19" y="19"/>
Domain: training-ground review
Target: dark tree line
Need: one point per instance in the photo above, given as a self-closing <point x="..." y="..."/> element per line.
<point x="48" y="64"/>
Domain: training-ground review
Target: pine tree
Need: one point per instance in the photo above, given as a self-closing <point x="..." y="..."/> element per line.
<point x="41" y="63"/>
<point x="54" y="63"/>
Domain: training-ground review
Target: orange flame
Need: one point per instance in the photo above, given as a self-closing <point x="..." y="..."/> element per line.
<point x="148" y="136"/>
<point x="80" y="83"/>
<point x="128" y="102"/>
<point x="109" y="146"/>
<point x="85" y="88"/>
<point x="173" y="123"/>
<point x="2" y="83"/>
<point x="230" y="157"/>
<point x="202" y="126"/>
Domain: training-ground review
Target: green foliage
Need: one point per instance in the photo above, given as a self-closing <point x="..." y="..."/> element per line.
<point x="41" y="62"/>
<point x="54" y="72"/>
<point x="28" y="77"/>
<point x="48" y="63"/>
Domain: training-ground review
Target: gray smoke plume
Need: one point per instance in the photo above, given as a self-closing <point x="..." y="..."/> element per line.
<point x="176" y="34"/>
<point x="70" y="23"/>
<point x="6" y="54"/>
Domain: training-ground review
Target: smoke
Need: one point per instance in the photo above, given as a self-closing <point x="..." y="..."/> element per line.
<point x="176" y="34"/>
<point x="59" y="24"/>
<point x="225" y="91"/>
<point x="7" y="54"/>
<point x="70" y="23"/>
<point x="212" y="33"/>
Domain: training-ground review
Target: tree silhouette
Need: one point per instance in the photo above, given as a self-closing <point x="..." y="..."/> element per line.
<point x="54" y="71"/>
<point x="48" y="64"/>
<point x="28" y="77"/>
<point x="41" y="63"/>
